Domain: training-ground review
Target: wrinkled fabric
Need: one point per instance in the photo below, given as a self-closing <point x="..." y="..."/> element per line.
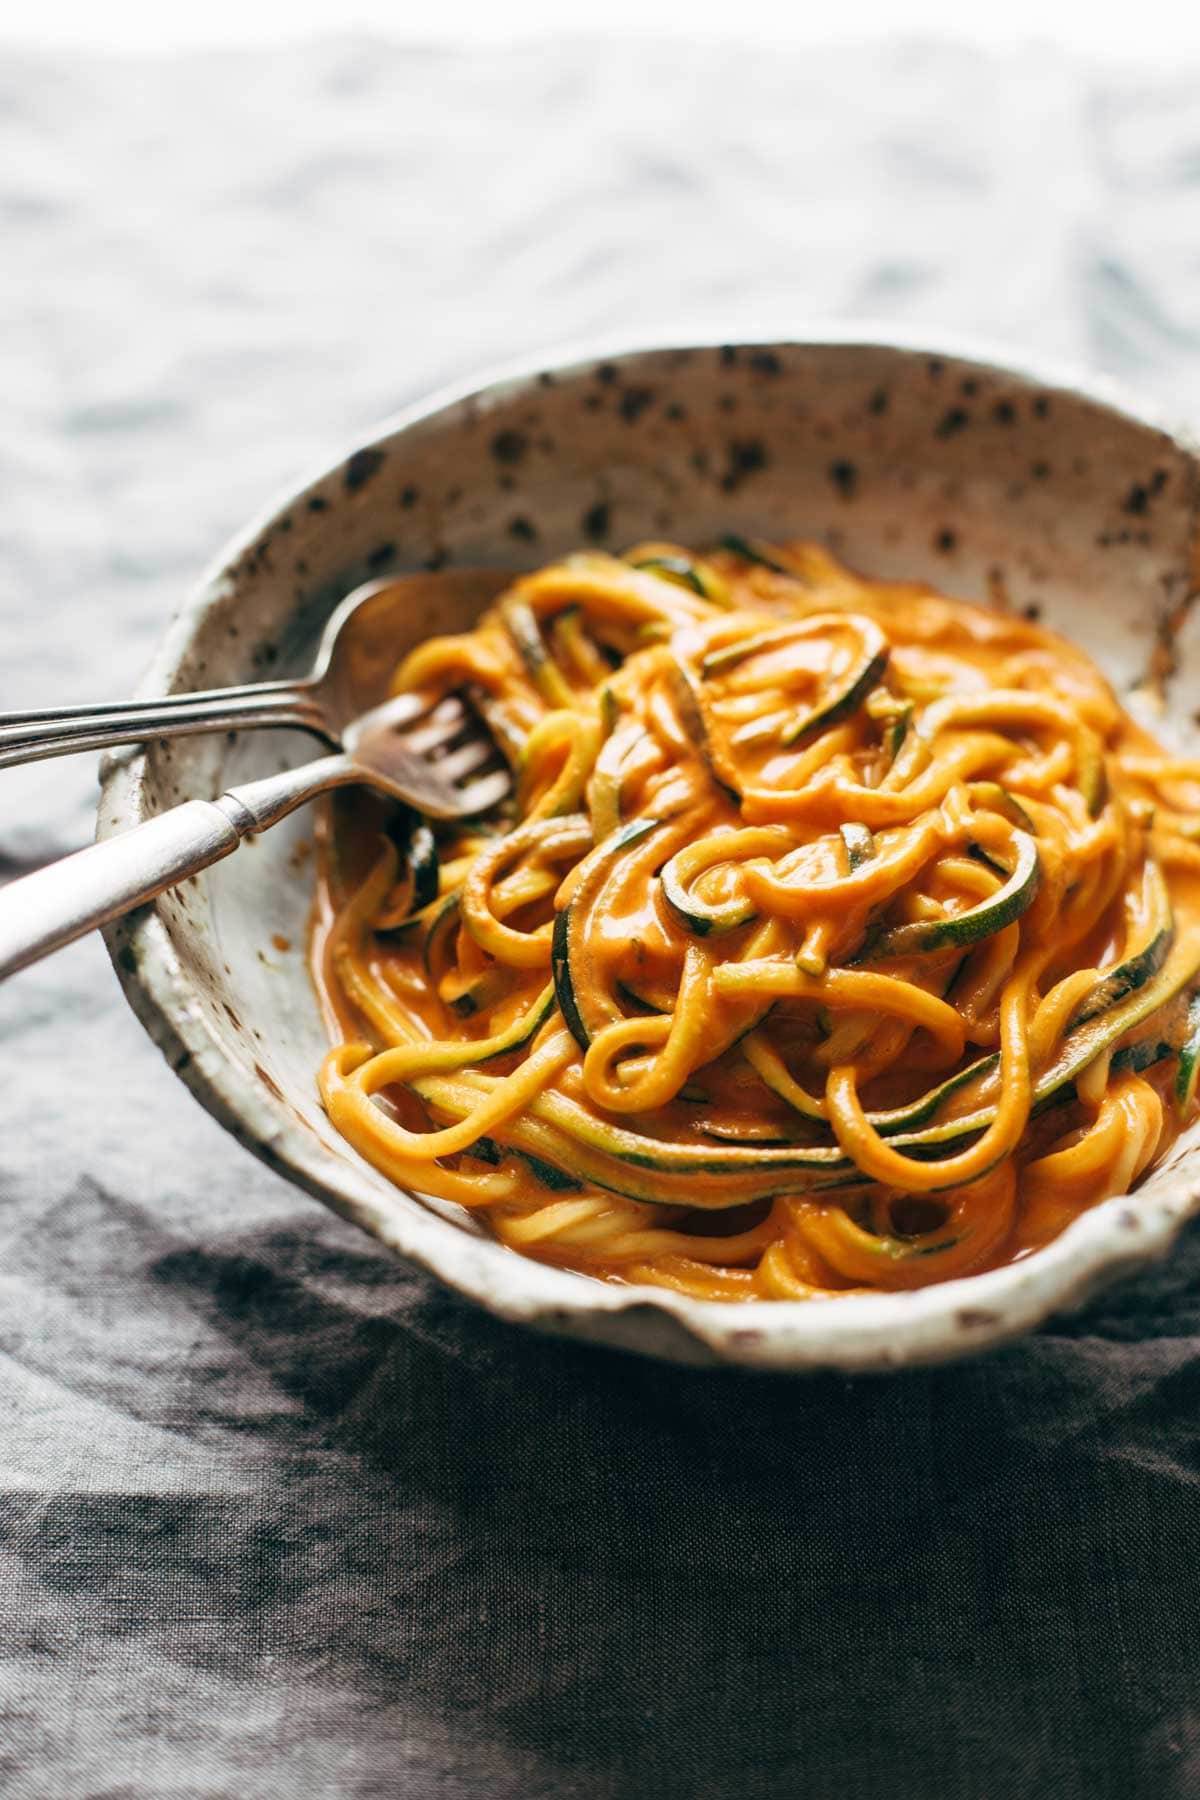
<point x="278" y="1517"/>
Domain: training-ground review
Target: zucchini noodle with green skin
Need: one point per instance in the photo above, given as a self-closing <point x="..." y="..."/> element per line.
<point x="838" y="935"/>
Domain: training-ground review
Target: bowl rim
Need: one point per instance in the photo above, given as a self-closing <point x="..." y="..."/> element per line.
<point x="862" y="1332"/>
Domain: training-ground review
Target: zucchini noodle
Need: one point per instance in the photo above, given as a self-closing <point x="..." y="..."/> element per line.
<point x="837" y="935"/>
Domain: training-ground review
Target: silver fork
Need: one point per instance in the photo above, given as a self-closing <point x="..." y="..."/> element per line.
<point x="349" y="672"/>
<point x="437" y="758"/>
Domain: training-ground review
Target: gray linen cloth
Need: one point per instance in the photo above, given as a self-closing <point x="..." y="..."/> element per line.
<point x="277" y="1517"/>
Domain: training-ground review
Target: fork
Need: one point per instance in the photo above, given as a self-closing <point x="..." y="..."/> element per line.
<point x="435" y="756"/>
<point x="356" y="654"/>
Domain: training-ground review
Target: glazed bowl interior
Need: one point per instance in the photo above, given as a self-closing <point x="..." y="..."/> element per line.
<point x="991" y="484"/>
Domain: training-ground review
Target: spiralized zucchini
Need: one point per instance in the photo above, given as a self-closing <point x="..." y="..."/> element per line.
<point x="838" y="935"/>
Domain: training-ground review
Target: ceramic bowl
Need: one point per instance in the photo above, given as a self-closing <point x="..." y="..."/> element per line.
<point x="1039" y="491"/>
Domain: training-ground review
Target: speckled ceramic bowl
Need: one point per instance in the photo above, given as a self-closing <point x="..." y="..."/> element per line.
<point x="1037" y="490"/>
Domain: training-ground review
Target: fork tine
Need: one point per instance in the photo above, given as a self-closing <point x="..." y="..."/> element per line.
<point x="408" y="709"/>
<point x="480" y="796"/>
<point x="446" y="722"/>
<point x="466" y="759"/>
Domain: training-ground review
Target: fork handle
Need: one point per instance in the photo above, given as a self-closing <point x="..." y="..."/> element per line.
<point x="29" y="736"/>
<point x="42" y="912"/>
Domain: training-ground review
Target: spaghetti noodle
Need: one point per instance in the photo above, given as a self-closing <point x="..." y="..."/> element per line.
<point x="838" y="935"/>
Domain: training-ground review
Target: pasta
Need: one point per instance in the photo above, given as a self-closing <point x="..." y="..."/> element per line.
<point x="838" y="936"/>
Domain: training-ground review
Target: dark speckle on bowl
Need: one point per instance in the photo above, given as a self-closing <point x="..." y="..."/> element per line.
<point x="318" y="504"/>
<point x="844" y="476"/>
<point x="409" y="496"/>
<point x="509" y="446"/>
<point x="523" y="529"/>
<point x="675" y="412"/>
<point x="954" y="420"/>
<point x="269" y="1081"/>
<point x="765" y="362"/>
<point x="1041" y="407"/>
<point x="743" y="457"/>
<point x="607" y="374"/>
<point x="945" y="541"/>
<point x="1137" y="500"/>
<point x="381" y="556"/>
<point x="633" y="403"/>
<point x="362" y="467"/>
<point x="1107" y="539"/>
<point x="597" y="521"/>
<point x="1004" y="412"/>
<point x="878" y="403"/>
